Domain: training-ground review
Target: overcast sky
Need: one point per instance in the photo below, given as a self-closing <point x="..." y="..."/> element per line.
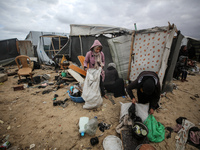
<point x="18" y="17"/>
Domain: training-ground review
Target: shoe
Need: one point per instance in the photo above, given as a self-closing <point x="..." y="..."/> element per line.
<point x="185" y="80"/>
<point x="182" y="80"/>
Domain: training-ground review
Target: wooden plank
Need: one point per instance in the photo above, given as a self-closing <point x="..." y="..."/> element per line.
<point x="75" y="75"/>
<point x="77" y="69"/>
<point x="81" y="59"/>
<point x="53" y="46"/>
<point x="130" y="56"/>
<point x="18" y="87"/>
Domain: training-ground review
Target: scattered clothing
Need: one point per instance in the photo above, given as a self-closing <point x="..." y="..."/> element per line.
<point x="194" y="137"/>
<point x="183" y="134"/>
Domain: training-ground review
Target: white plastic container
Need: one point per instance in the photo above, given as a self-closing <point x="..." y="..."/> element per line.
<point x="82" y="122"/>
<point x="91" y="126"/>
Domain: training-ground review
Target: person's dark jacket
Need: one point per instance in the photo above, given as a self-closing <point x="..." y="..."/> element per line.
<point x="142" y="97"/>
<point x="111" y="75"/>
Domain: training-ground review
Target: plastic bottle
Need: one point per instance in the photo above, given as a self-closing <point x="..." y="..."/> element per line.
<point x="91" y="126"/>
<point x="5" y="145"/>
<point x="82" y="122"/>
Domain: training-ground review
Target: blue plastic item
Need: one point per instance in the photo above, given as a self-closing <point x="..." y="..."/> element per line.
<point x="71" y="88"/>
<point x="76" y="99"/>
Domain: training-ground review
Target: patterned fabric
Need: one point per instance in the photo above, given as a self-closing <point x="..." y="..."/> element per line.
<point x="151" y="52"/>
<point x="183" y="134"/>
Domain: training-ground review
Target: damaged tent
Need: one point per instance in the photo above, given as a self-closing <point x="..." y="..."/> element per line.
<point x="149" y="49"/>
<point x="45" y="56"/>
<point x="82" y="37"/>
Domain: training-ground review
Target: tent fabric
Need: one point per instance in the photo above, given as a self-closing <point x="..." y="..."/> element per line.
<point x="151" y="51"/>
<point x="167" y="81"/>
<point x="42" y="56"/>
<point x="93" y="29"/>
<point x="120" y="51"/>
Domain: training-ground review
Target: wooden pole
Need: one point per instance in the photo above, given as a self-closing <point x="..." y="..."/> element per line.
<point x="53" y="46"/>
<point x="130" y="57"/>
<point x="59" y="43"/>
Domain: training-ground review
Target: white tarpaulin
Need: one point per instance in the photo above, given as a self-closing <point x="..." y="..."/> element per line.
<point x="91" y="90"/>
<point x="43" y="58"/>
<point x="120" y="52"/>
<point x="151" y="51"/>
<point x="92" y="29"/>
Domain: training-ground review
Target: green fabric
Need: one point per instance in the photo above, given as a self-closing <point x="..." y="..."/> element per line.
<point x="156" y="129"/>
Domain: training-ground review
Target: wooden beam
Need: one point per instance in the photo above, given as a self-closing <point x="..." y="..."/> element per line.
<point x="51" y="50"/>
<point x="130" y="56"/>
<point x="59" y="43"/>
<point x="53" y="46"/>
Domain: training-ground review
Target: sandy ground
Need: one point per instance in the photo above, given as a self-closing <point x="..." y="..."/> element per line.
<point x="30" y="118"/>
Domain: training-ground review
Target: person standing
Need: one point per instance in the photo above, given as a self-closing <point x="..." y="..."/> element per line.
<point x="95" y="58"/>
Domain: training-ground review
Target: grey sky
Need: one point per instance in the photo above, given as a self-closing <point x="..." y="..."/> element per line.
<point x="18" y="17"/>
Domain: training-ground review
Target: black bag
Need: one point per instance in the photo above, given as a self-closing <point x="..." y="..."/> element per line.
<point x="131" y="111"/>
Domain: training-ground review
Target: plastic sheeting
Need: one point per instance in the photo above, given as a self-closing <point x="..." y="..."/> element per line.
<point x="151" y="51"/>
<point x="120" y="52"/>
<point x="93" y="29"/>
<point x="34" y="37"/>
<point x="42" y="56"/>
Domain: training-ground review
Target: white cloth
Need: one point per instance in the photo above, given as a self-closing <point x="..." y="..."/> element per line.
<point x="91" y="91"/>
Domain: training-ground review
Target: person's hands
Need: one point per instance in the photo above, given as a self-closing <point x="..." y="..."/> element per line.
<point x="133" y="100"/>
<point x="86" y="69"/>
<point x="151" y="111"/>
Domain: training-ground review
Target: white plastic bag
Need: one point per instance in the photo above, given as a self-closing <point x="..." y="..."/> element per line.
<point x="91" y="91"/>
<point x="141" y="110"/>
<point x="124" y="109"/>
